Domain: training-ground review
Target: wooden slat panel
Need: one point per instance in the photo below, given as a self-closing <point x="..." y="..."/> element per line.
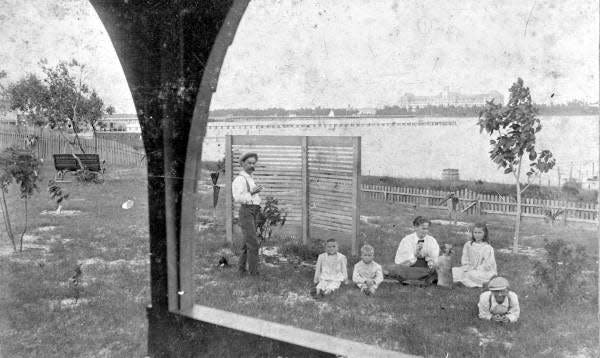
<point x="330" y="205"/>
<point x="329" y="141"/>
<point x="271" y="139"/>
<point x="331" y="164"/>
<point x="330" y="193"/>
<point x="338" y="200"/>
<point x="331" y="226"/>
<point x="319" y="175"/>
<point x="331" y="215"/>
<point x="329" y="169"/>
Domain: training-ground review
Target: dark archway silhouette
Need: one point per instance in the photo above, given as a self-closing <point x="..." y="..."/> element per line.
<point x="171" y="53"/>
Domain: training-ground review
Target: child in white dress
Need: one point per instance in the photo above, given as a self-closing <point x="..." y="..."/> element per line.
<point x="478" y="261"/>
<point x="331" y="269"/>
<point x="367" y="273"/>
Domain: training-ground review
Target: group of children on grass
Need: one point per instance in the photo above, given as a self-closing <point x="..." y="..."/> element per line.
<point x="416" y="263"/>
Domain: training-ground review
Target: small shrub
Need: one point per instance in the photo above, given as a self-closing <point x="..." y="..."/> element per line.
<point x="561" y="271"/>
<point x="87" y="176"/>
<point x="552" y="215"/>
<point x="310" y="252"/>
<point x="271" y="215"/>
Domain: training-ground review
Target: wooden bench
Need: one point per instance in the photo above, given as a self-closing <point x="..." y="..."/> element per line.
<point x="65" y="163"/>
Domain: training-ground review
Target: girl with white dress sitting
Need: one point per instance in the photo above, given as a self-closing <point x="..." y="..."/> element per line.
<point x="478" y="261"/>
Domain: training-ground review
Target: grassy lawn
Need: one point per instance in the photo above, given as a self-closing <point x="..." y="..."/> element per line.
<point x="435" y="321"/>
<point x="39" y="317"/>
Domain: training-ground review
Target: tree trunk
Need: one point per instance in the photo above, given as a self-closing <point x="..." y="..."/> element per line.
<point x="518" y="213"/>
<point x="24" y="228"/>
<point x="517" y="220"/>
<point x="7" y="224"/>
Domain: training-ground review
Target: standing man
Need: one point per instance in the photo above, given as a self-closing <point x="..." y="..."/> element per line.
<point x="245" y="192"/>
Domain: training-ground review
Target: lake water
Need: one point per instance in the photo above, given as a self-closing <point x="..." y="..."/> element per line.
<point x="423" y="151"/>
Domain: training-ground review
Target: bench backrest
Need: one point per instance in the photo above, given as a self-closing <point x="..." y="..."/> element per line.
<point x="67" y="162"/>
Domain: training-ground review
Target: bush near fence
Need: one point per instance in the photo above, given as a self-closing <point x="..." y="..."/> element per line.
<point x="483" y="203"/>
<point x="51" y="142"/>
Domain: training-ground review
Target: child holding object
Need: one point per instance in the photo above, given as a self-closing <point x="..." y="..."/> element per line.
<point x="498" y="304"/>
<point x="367" y="273"/>
<point x="330" y="270"/>
<point x="478" y="262"/>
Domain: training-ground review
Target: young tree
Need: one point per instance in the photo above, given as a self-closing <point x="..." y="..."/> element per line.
<point x="21" y="166"/>
<point x="515" y="127"/>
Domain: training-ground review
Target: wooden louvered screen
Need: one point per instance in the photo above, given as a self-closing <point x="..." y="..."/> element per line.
<point x="316" y="179"/>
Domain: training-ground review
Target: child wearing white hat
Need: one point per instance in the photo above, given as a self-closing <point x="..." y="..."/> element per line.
<point x="498" y="304"/>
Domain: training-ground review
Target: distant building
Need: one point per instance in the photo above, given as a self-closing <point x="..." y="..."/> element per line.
<point x="447" y="98"/>
<point x="591" y="183"/>
<point x="120" y="122"/>
<point x="367" y="111"/>
<point x="331" y="113"/>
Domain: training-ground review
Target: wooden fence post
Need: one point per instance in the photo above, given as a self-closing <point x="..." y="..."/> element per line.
<point x="305" y="198"/>
<point x="228" y="193"/>
<point x="355" y="192"/>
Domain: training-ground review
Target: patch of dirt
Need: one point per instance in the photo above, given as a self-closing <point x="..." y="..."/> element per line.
<point x="99" y="262"/>
<point x="62" y="213"/>
<point x="45" y="228"/>
<point x="537" y="253"/>
<point x="449" y="222"/>
<point x="292" y="299"/>
<point x="68" y="303"/>
<point x="7" y="251"/>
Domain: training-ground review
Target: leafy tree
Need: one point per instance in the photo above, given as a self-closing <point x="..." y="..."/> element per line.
<point x="60" y="100"/>
<point x="21" y="166"/>
<point x="515" y="127"/>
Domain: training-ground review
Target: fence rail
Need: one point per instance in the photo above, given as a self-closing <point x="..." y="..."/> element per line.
<point x="46" y="143"/>
<point x="472" y="203"/>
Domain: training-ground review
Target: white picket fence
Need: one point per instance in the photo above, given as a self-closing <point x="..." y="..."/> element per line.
<point x="472" y="203"/>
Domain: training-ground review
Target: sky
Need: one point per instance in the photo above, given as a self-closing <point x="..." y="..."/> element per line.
<point x="358" y="53"/>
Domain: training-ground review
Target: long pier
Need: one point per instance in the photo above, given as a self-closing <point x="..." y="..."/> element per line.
<point x="248" y="123"/>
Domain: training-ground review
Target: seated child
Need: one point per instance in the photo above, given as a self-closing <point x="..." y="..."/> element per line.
<point x="367" y="273"/>
<point x="478" y="262"/>
<point x="331" y="269"/>
<point x="498" y="304"/>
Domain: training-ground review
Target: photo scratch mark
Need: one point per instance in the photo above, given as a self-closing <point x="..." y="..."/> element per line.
<point x="528" y="19"/>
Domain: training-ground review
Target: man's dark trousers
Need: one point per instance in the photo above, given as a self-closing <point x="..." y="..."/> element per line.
<point x="248" y="217"/>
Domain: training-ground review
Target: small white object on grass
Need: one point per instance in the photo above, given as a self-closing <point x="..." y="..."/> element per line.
<point x="127" y="205"/>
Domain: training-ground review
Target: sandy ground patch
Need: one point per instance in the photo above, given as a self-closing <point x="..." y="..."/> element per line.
<point x="99" y="262"/>
<point x="62" y="213"/>
<point x="527" y="251"/>
<point x="45" y="229"/>
<point x="449" y="222"/>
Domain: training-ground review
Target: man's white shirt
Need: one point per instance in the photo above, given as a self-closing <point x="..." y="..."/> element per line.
<point x="239" y="189"/>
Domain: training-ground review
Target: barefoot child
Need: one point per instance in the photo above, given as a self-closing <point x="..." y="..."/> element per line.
<point x="499" y="304"/>
<point x="478" y="262"/>
<point x="331" y="269"/>
<point x="367" y="273"/>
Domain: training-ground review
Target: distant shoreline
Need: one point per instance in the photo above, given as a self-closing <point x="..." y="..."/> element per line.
<point x="387" y="116"/>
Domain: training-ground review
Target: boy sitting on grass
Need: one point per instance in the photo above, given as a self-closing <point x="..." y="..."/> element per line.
<point x="498" y="304"/>
<point x="330" y="270"/>
<point x="367" y="273"/>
